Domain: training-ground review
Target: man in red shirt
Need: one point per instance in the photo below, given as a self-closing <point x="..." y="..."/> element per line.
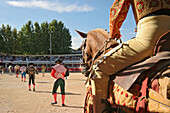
<point x="58" y="73"/>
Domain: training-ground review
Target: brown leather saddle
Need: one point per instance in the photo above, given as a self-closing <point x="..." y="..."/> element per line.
<point x="128" y="76"/>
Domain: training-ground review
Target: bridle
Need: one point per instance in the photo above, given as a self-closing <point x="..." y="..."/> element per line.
<point x="88" y="65"/>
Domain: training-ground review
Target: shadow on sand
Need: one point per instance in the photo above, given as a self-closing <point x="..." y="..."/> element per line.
<point x="42" y="82"/>
<point x="43" y="91"/>
<point x="68" y="106"/>
<point x="67" y="93"/>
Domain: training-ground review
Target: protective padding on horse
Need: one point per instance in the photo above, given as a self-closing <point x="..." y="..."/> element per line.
<point x="158" y="103"/>
<point x="123" y="98"/>
<point x="163" y="84"/>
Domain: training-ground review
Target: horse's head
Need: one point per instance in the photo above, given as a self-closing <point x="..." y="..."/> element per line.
<point x="85" y="53"/>
<point x="92" y="47"/>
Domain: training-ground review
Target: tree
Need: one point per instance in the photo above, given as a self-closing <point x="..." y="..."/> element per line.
<point x="35" y="39"/>
<point x="2" y="39"/>
<point x="61" y="38"/>
<point x="8" y="39"/>
<point x="26" y="38"/>
<point x="45" y="38"/>
<point x="15" y="42"/>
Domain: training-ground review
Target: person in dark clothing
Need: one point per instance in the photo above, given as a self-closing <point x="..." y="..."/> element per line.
<point x="67" y="72"/>
<point x="31" y="70"/>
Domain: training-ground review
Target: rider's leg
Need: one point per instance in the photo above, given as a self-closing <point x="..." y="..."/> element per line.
<point x="149" y="30"/>
<point x="99" y="91"/>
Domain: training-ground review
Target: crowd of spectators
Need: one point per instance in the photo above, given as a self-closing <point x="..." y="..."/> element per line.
<point x="73" y="62"/>
<point x="40" y="58"/>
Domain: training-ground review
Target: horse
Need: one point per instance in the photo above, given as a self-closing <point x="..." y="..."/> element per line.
<point x="97" y="42"/>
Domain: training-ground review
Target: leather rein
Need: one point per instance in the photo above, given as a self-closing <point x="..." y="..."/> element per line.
<point x="97" y="54"/>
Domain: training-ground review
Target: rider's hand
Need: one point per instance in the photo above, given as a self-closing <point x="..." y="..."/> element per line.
<point x="118" y="35"/>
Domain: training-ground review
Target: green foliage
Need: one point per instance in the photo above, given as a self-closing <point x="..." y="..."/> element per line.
<point x="35" y="39"/>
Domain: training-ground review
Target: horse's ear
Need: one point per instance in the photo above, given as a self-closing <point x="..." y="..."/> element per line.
<point x="83" y="35"/>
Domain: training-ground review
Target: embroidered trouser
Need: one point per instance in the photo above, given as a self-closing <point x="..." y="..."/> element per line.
<point x="60" y="82"/>
<point x="31" y="78"/>
<point x="142" y="46"/>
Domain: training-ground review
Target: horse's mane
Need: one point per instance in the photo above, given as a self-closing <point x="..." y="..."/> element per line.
<point x="101" y="35"/>
<point x="100" y="31"/>
<point x="97" y="38"/>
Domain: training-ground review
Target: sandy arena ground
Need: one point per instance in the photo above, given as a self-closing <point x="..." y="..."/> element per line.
<point x="15" y="97"/>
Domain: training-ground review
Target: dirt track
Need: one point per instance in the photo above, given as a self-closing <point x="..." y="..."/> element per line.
<point x="15" y="97"/>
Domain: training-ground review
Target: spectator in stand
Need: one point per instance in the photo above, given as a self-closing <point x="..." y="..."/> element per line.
<point x="43" y="70"/>
<point x="23" y="72"/>
<point x="17" y="68"/>
<point x="58" y="73"/>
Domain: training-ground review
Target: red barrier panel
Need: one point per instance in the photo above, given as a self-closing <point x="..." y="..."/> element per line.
<point x="71" y="69"/>
<point x="75" y="69"/>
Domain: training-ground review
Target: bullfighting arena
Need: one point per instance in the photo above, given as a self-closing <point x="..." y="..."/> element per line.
<point x="15" y="97"/>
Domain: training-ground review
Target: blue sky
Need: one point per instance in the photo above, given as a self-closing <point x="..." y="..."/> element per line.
<point x="83" y="15"/>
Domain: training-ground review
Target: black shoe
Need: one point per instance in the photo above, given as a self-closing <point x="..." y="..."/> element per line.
<point x="33" y="89"/>
<point x="29" y="89"/>
<point x="63" y="105"/>
<point x="52" y="103"/>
